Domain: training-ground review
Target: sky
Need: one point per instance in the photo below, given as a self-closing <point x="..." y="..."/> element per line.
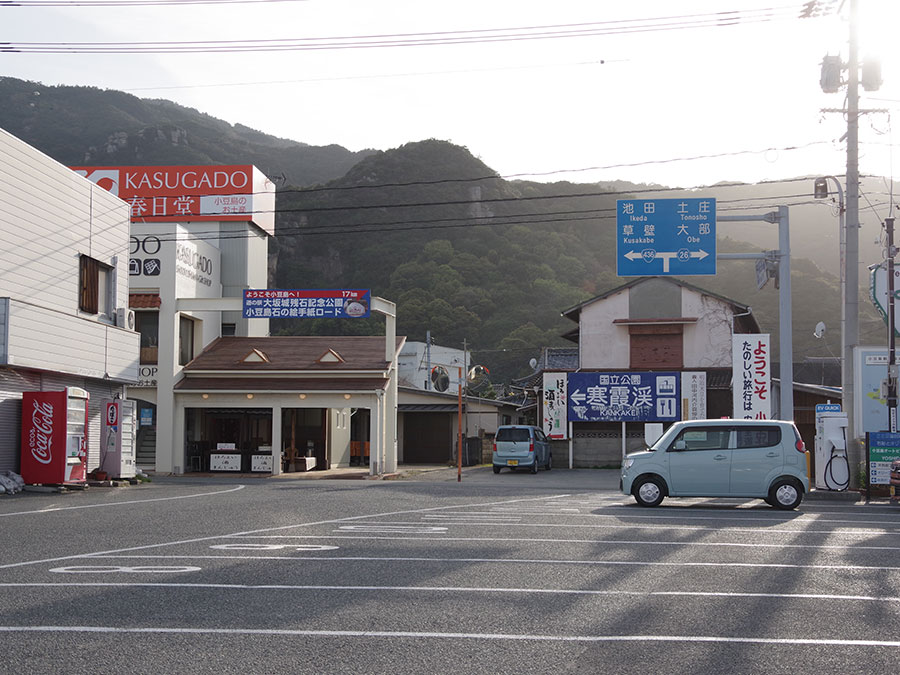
<point x="675" y="93"/>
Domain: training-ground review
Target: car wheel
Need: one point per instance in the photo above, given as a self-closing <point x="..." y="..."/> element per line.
<point x="785" y="494"/>
<point x="549" y="461"/>
<point x="534" y="466"/>
<point x="648" y="491"/>
<point x="496" y="469"/>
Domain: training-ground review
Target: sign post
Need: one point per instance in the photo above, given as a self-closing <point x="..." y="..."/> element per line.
<point x="665" y="237"/>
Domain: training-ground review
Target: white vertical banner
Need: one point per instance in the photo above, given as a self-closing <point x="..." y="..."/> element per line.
<point x="693" y="396"/>
<point x="752" y="377"/>
<point x="555" y="408"/>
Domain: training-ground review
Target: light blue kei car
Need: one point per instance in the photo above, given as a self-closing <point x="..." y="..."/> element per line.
<point x="764" y="459"/>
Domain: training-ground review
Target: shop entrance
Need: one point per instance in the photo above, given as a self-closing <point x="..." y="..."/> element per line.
<point x="228" y="439"/>
<point x="303" y="434"/>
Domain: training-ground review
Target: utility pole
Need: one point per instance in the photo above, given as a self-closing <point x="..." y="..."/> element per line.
<point x="892" y="313"/>
<point x="851" y="261"/>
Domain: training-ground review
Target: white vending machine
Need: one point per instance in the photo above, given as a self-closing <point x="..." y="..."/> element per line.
<point x="117" y="448"/>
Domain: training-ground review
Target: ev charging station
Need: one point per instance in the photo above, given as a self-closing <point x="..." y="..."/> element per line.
<point x="832" y="465"/>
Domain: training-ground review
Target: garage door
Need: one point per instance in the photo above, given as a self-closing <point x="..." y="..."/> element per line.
<point x="427" y="438"/>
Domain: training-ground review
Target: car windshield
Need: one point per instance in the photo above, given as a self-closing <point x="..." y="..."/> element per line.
<point x="665" y="439"/>
<point x="513" y="435"/>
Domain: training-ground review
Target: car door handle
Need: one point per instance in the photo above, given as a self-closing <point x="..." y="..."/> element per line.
<point x="720" y="457"/>
<point x="771" y="454"/>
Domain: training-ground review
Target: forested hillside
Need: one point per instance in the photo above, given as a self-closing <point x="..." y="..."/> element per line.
<point x="94" y="127"/>
<point x="463" y="252"/>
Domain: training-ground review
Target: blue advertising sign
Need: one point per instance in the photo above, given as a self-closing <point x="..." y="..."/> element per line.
<point x="268" y="303"/>
<point x="828" y="407"/>
<point x="624" y="397"/>
<point x="665" y="237"/>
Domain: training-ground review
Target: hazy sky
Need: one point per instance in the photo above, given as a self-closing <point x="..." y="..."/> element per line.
<point x="651" y="83"/>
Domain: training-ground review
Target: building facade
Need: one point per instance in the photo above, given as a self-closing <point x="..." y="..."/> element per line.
<point x="64" y="317"/>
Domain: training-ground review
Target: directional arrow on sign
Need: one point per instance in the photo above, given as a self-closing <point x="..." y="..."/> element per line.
<point x="650" y="255"/>
<point x="578" y="397"/>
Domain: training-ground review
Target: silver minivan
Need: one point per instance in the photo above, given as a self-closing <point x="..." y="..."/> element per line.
<point x="765" y="459"/>
<point x="520" y="445"/>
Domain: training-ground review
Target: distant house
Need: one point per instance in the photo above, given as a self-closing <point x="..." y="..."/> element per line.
<point x="649" y="324"/>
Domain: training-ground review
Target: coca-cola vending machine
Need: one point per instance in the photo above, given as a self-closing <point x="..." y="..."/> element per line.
<point x="54" y="441"/>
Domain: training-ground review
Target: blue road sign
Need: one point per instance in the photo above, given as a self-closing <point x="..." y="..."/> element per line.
<point x="624" y="397"/>
<point x="665" y="237"/>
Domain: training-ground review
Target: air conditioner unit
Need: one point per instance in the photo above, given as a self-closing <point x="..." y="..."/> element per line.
<point x="125" y="318"/>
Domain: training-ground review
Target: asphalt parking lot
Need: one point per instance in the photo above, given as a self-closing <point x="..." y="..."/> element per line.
<point x="554" y="572"/>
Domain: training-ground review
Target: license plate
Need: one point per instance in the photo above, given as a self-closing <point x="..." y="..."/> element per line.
<point x="512" y="462"/>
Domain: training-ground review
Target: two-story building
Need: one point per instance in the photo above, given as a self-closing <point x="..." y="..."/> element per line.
<point x="649" y="326"/>
<point x="64" y="317"/>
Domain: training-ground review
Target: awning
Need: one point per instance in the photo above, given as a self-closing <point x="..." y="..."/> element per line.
<point x="429" y="407"/>
<point x="286" y="384"/>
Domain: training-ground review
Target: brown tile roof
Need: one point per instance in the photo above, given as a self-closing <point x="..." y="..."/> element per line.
<point x="144" y="300"/>
<point x="297" y="353"/>
<point x="298" y="384"/>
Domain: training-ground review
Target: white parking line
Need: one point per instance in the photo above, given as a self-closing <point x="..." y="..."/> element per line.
<point x="704" y="528"/>
<point x="457" y="589"/>
<point x="510" y="561"/>
<point x="54" y="509"/>
<point x="835" y="642"/>
<point x="615" y="542"/>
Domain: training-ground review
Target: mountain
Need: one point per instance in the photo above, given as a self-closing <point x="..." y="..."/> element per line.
<point x="93" y="127"/>
<point x="465" y="254"/>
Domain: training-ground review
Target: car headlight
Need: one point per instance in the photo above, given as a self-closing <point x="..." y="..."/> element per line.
<point x="627" y="463"/>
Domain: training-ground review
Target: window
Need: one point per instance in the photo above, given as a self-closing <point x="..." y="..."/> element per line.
<point x="95" y="281"/>
<point x="715" y="438"/>
<point x="147" y="324"/>
<point x="185" y="340"/>
<point x="228" y="330"/>
<point x="758" y="438"/>
<point x="512" y="434"/>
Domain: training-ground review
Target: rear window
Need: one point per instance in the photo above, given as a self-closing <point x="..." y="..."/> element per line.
<point x="762" y="437"/>
<point x="513" y="435"/>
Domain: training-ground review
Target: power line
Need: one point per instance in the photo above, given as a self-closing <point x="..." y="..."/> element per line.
<point x="474" y="36"/>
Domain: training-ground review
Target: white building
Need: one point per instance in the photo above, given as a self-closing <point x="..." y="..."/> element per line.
<point x="215" y="391"/>
<point x="63" y="283"/>
<point x="418" y="361"/>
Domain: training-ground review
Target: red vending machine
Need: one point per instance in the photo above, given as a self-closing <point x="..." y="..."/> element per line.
<point x="54" y="442"/>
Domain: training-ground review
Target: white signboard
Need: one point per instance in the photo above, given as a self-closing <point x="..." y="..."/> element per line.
<point x="261" y="463"/>
<point x="752" y="376"/>
<point x="224" y="462"/>
<point x="693" y="396"/>
<point x="556" y="422"/>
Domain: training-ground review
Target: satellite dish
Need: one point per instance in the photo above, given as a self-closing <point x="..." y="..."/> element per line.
<point x="533" y="364"/>
<point x="440" y="378"/>
<point x="820" y="329"/>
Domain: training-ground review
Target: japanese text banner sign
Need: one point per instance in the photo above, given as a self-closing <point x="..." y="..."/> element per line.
<point x="272" y="303"/>
<point x="624" y="397"/>
<point x="752" y="376"/>
<point x="556" y="422"/>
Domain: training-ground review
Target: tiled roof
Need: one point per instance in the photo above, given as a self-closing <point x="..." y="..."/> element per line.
<point x="144" y="300"/>
<point x="293" y="353"/>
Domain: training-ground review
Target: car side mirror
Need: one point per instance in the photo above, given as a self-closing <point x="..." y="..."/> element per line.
<point x="679" y="445"/>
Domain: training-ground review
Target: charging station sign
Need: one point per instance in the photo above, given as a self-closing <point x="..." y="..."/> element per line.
<point x="884" y="449"/>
